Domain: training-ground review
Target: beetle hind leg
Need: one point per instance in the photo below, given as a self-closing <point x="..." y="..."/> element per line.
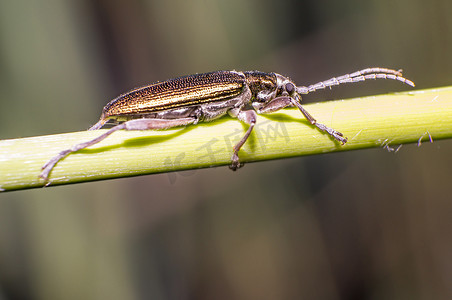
<point x="136" y="124"/>
<point x="99" y="124"/>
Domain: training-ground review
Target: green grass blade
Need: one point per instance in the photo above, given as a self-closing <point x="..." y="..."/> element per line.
<point x="376" y="121"/>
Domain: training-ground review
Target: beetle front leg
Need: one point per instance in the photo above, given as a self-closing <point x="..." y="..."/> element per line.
<point x="284" y="101"/>
<point x="275" y="104"/>
<point x="248" y="117"/>
<point x="335" y="134"/>
<point x="137" y="124"/>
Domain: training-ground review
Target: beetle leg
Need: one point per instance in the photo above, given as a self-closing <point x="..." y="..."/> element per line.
<point x="99" y="124"/>
<point x="335" y="134"/>
<point x="275" y="104"/>
<point x="137" y="124"/>
<point x="248" y="117"/>
<point x="284" y="101"/>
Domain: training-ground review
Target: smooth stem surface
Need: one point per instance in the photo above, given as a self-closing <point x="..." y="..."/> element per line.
<point x="376" y="121"/>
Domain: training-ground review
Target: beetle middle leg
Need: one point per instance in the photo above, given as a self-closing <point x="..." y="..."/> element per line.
<point x="136" y="124"/>
<point x="248" y="117"/>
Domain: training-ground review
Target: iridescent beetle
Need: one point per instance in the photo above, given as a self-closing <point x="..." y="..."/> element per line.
<point x="203" y="97"/>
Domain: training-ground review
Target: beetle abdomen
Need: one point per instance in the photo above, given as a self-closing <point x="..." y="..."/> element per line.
<point x="177" y="92"/>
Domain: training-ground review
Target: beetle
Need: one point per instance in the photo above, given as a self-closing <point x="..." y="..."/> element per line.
<point x="204" y="97"/>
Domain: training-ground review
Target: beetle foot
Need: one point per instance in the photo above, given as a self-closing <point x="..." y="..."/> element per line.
<point x="235" y="163"/>
<point x="335" y="134"/>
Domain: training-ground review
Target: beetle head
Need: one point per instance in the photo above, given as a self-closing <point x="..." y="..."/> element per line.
<point x="286" y="87"/>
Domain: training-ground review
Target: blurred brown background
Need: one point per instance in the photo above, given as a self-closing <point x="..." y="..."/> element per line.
<point x="358" y="225"/>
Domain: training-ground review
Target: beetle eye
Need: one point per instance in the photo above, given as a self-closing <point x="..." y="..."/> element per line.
<point x="290" y="88"/>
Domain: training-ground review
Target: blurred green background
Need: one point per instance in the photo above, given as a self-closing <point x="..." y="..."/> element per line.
<point x="358" y="225"/>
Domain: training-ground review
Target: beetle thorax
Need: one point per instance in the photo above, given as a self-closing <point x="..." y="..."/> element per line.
<point x="263" y="86"/>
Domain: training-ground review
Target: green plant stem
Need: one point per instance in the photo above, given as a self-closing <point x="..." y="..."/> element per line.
<point x="376" y="121"/>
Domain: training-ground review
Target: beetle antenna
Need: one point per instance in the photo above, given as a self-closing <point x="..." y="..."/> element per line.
<point x="365" y="74"/>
